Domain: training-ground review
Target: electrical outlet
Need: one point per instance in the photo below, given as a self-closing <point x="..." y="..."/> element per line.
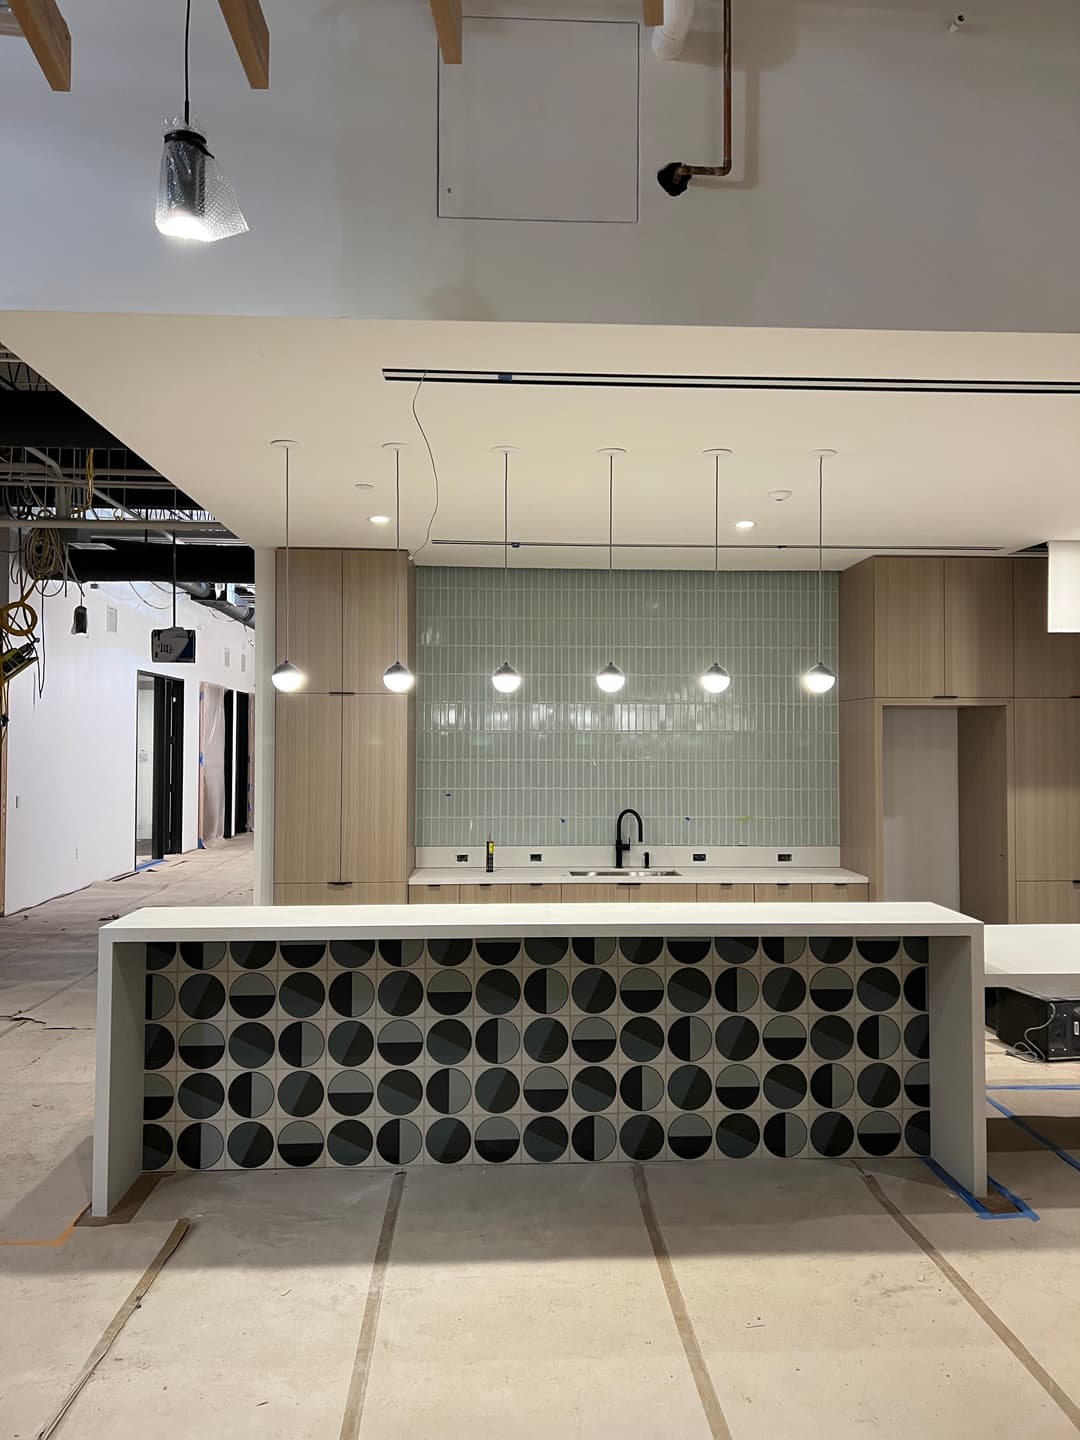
<point x="783" y="857"/>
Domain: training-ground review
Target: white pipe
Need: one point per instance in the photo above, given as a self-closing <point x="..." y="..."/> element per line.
<point x="669" y="39"/>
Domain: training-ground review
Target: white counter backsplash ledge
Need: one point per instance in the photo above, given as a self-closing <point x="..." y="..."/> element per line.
<point x="515" y="864"/>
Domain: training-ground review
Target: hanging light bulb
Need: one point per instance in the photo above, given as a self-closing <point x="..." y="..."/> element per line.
<point x="611" y="679"/>
<point x="397" y="677"/>
<point x="715" y="680"/>
<point x="819" y="679"/>
<point x="195" y="200"/>
<point x="285" y="677"/>
<point x="505" y="678"/>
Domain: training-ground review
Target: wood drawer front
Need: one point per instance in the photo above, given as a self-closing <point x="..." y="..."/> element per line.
<point x="484" y="894"/>
<point x="358" y="894"/>
<point x="774" y="893"/>
<point x="434" y="894"/>
<point x="674" y="894"/>
<point x="596" y="894"/>
<point x="538" y="894"/>
<point x="841" y="890"/>
<point x="741" y="894"/>
<point x="1047" y="902"/>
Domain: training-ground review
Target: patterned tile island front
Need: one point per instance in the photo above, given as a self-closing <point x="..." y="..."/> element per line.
<point x="283" y="1038"/>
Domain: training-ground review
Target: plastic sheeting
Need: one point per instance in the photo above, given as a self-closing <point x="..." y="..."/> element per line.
<point x="211" y="763"/>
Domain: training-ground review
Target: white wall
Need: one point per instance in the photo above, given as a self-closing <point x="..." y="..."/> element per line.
<point x="893" y="175"/>
<point x="71" y="752"/>
<point x="922" y="806"/>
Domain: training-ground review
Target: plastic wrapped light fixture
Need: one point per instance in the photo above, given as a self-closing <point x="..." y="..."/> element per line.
<point x="715" y="679"/>
<point x="195" y="199"/>
<point x="398" y="678"/>
<point x="506" y="679"/>
<point x="610" y="679"/>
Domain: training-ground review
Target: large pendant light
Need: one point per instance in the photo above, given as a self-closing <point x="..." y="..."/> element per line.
<point x="505" y="678"/>
<point x="286" y="677"/>
<point x="397" y="677"/>
<point x="195" y="200"/>
<point x="819" y="679"/>
<point x="715" y="680"/>
<point x="610" y="678"/>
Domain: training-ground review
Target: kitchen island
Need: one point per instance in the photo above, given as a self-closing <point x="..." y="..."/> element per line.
<point x="278" y="1037"/>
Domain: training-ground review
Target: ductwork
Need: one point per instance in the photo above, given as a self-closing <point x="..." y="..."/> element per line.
<point x="203" y="592"/>
<point x="669" y="39"/>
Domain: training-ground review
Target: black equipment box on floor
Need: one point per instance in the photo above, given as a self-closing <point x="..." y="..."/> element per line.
<point x="1049" y="1027"/>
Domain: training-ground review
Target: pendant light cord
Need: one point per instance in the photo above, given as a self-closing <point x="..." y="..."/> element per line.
<point x="820" y="548"/>
<point x="187" y="65"/>
<point x="288" y="607"/>
<point x="174" y="579"/>
<point x="506" y="547"/>
<point x="397" y="553"/>
<point x="611" y="555"/>
<point x="716" y="545"/>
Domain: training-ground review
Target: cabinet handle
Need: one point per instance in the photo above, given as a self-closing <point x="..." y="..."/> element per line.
<point x="942" y="697"/>
<point x="338" y="884"/>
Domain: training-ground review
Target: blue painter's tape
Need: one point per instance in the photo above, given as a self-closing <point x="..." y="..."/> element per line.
<point x="147" y="865"/>
<point x="1033" y="1087"/>
<point x="1022" y="1211"/>
<point x="1019" y="1120"/>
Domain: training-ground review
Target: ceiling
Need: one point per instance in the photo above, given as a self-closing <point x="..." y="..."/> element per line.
<point x="201" y="397"/>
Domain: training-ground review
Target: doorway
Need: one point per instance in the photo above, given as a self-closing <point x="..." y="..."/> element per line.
<point x="159" y="767"/>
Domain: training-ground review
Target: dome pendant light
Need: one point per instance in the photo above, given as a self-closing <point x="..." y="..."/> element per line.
<point x="195" y="200"/>
<point x="610" y="678"/>
<point x="397" y="677"/>
<point x="819" y="679"/>
<point x="715" y="680"/>
<point x="286" y="676"/>
<point x="505" y="678"/>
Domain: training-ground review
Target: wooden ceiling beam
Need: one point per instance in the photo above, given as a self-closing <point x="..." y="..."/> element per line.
<point x="653" y="12"/>
<point x="251" y="36"/>
<point x="48" y="37"/>
<point x="447" y="17"/>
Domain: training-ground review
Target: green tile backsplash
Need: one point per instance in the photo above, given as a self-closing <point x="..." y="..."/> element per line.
<point x="555" y="763"/>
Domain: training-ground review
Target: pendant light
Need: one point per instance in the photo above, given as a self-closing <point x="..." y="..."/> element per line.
<point x="286" y="677"/>
<point x="397" y="677"/>
<point x="505" y="678"/>
<point x="610" y="678"/>
<point x="819" y="679"/>
<point x="715" y="680"/>
<point x="195" y="200"/>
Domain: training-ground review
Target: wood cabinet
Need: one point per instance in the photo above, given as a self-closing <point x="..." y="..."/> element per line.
<point x="307" y="789"/>
<point x="724" y="891"/>
<point x="434" y="894"/>
<point x="779" y="893"/>
<point x="661" y="894"/>
<point x="839" y="891"/>
<point x="922" y="628"/>
<point x="315" y="600"/>
<point x="1045" y="665"/>
<point x="1047" y="789"/>
<point x="374" y="787"/>
<point x="1041" y="902"/>
<point x="588" y="894"/>
<point x="373" y="582"/>
<point x="483" y="894"/>
<point x="536" y="894"/>
<point x="340" y="894"/>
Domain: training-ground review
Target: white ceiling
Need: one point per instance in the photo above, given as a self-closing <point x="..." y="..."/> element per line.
<point x="201" y="397"/>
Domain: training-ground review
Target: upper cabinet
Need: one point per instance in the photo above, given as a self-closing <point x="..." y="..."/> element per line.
<point x="373" y="630"/>
<point x="922" y="628"/>
<point x="1047" y="666"/>
<point x="314" y="616"/>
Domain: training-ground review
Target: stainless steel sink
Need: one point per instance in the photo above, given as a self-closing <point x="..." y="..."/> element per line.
<point x="621" y="874"/>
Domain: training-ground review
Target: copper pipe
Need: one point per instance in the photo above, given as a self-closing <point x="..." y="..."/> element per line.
<point x="675" y="178"/>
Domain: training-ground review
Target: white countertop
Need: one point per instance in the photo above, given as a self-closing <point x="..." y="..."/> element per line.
<point x="1036" y="959"/>
<point x="327" y="922"/>
<point x="688" y="875"/>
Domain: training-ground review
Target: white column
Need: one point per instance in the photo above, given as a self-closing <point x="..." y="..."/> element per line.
<point x="265" y="659"/>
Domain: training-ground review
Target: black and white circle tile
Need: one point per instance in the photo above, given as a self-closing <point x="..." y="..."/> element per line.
<point x="395" y="1052"/>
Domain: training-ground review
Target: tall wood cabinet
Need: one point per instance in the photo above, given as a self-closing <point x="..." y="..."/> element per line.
<point x="971" y="633"/>
<point x="344" y="780"/>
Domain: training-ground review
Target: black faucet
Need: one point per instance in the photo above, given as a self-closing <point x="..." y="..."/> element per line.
<point x="621" y="846"/>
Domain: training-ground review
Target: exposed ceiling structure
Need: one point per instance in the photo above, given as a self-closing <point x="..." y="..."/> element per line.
<point x="919" y="466"/>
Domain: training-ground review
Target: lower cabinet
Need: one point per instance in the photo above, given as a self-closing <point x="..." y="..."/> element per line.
<point x="595" y="894"/>
<point x="841" y="891"/>
<point x="729" y="891"/>
<point x="1048" y="902"/>
<point x="374" y="893"/>
<point x="484" y="894"/>
<point x="434" y="894"/>
<point x="775" y="893"/>
<point x="538" y="894"/>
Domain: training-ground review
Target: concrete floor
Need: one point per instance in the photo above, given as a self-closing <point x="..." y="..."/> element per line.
<point x="705" y="1300"/>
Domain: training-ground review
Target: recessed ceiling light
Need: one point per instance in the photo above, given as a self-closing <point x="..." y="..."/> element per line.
<point x="744" y="524"/>
<point x="379" y="519"/>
